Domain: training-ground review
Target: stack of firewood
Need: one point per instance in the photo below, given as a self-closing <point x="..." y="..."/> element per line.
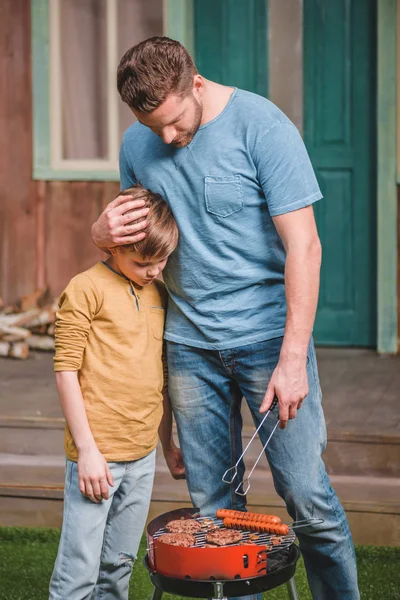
<point x="27" y="325"/>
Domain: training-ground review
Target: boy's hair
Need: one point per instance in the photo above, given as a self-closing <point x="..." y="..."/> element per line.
<point x="153" y="69"/>
<point x="161" y="232"/>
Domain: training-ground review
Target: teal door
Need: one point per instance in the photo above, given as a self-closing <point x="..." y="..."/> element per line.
<point x="230" y="39"/>
<point x="339" y="131"/>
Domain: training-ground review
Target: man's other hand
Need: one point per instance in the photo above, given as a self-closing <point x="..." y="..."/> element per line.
<point x="174" y="460"/>
<point x="289" y="382"/>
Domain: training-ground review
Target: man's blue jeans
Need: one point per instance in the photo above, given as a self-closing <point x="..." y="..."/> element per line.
<point x="206" y="388"/>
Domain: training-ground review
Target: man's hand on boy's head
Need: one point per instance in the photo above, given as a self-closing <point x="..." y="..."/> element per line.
<point x="116" y="224"/>
<point x="173" y="458"/>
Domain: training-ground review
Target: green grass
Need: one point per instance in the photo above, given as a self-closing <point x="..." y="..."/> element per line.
<point x="27" y="558"/>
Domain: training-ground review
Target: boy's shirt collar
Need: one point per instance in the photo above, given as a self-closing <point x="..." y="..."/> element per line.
<point x="105" y="263"/>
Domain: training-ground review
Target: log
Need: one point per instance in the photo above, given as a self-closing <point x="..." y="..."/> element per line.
<point x="39" y="329"/>
<point x="31" y="318"/>
<point x="45" y="317"/>
<point x="19" y="350"/>
<point x="4" y="348"/>
<point x="34" y="300"/>
<point x="9" y="310"/>
<point x="41" y="342"/>
<point x="13" y="334"/>
<point x="19" y="320"/>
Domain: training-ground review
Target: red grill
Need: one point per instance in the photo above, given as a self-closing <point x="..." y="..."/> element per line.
<point x="220" y="572"/>
<point x="244" y="560"/>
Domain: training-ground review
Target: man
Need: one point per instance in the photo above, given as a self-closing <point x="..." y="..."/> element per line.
<point x="243" y="288"/>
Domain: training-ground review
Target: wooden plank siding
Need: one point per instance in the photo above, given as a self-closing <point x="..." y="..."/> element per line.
<point x="17" y="190"/>
<point x="44" y="226"/>
<point x="53" y="232"/>
<point x="71" y="208"/>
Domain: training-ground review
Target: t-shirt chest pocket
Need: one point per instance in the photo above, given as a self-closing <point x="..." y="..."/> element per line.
<point x="157" y="318"/>
<point x="223" y="195"/>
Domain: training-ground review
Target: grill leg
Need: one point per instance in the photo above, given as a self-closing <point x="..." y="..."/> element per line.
<point x="157" y="594"/>
<point x="292" y="591"/>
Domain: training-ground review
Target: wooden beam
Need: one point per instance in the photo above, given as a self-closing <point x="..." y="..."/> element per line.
<point x="387" y="190"/>
<point x="178" y="22"/>
<point x="40" y="235"/>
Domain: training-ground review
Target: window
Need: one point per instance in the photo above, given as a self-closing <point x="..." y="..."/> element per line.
<point x="79" y="118"/>
<point x="87" y="39"/>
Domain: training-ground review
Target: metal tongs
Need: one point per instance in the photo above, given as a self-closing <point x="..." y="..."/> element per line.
<point x="234" y="470"/>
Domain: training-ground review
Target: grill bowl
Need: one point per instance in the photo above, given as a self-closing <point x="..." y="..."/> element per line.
<point x="227" y="562"/>
<point x="282" y="571"/>
<point x="204" y="563"/>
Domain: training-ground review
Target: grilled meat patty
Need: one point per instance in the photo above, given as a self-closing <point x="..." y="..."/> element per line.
<point x="223" y="537"/>
<point x="185" y="540"/>
<point x="183" y="526"/>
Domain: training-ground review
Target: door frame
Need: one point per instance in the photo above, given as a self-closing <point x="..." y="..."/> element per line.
<point x="179" y="22"/>
<point x="179" y="25"/>
<point x="387" y="342"/>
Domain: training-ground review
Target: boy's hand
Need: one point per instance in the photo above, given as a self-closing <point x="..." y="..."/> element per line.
<point x="94" y="474"/>
<point x="174" y="460"/>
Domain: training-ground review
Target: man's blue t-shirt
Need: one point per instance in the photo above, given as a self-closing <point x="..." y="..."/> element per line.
<point x="226" y="277"/>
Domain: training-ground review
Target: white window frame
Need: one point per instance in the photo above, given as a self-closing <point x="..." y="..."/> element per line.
<point x="56" y="133"/>
<point x="48" y="163"/>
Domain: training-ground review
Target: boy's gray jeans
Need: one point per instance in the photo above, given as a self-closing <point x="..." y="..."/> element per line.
<point x="99" y="542"/>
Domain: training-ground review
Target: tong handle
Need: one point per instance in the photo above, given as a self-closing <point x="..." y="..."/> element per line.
<point x="230" y="474"/>
<point x="306" y="522"/>
<point x="274" y="404"/>
<point x="247" y="479"/>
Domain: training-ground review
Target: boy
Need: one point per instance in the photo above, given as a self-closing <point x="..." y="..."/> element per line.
<point x="109" y="375"/>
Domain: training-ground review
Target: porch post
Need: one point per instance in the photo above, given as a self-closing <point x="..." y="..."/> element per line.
<point x="387" y="181"/>
<point x="178" y="19"/>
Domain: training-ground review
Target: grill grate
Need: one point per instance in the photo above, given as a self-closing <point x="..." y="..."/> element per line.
<point x="271" y="541"/>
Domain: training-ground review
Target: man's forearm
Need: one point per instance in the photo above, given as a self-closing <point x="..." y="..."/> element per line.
<point x="96" y="239"/>
<point x="289" y="381"/>
<point x="302" y="275"/>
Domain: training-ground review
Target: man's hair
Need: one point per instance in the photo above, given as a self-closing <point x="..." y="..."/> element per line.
<point x="161" y="232"/>
<point x="153" y="69"/>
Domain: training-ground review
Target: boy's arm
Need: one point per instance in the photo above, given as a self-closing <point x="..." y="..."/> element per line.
<point x="172" y="454"/>
<point x="77" y="307"/>
<point x="93" y="470"/>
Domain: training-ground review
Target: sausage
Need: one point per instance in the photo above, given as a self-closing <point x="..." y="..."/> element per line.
<point x="223" y="513"/>
<point x="249" y="525"/>
<point x="237" y="514"/>
<point x="275" y="528"/>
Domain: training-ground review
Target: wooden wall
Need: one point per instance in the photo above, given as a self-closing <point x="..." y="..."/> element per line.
<point x="17" y="190"/>
<point x="70" y="210"/>
<point x="44" y="226"/>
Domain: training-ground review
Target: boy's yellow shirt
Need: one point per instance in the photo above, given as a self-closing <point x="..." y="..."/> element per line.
<point x="111" y="332"/>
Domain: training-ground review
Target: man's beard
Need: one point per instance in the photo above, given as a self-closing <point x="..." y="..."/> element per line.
<point x="187" y="137"/>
